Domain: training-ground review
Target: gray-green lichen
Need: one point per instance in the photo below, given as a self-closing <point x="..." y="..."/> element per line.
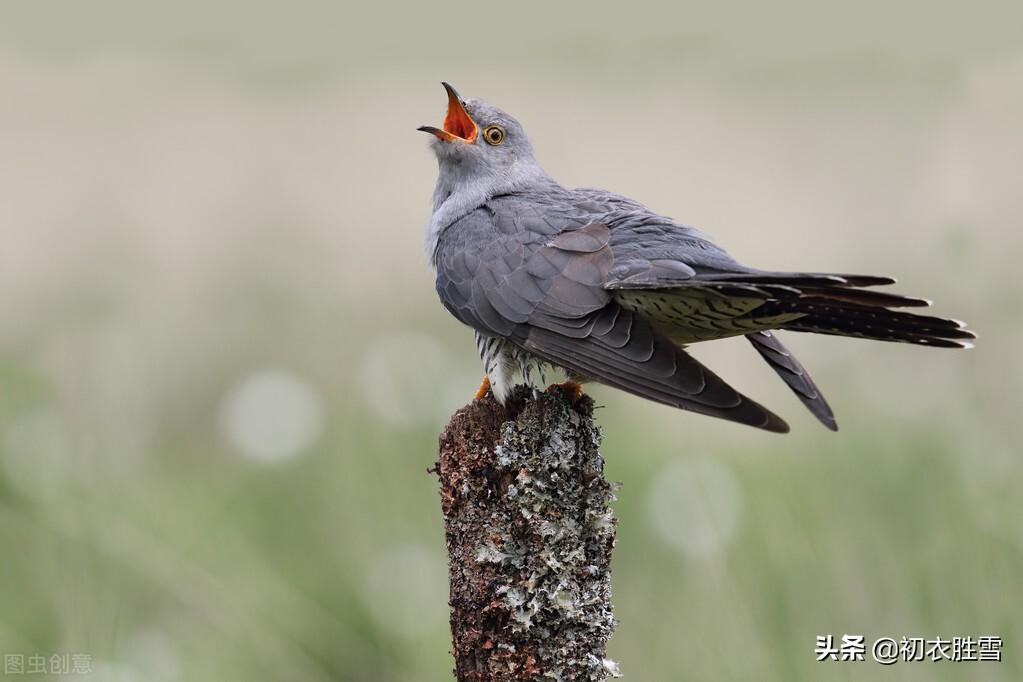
<point x="530" y="532"/>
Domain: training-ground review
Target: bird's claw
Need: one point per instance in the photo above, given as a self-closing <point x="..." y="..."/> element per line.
<point x="572" y="389"/>
<point x="481" y="392"/>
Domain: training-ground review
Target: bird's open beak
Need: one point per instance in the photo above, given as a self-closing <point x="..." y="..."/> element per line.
<point x="458" y="125"/>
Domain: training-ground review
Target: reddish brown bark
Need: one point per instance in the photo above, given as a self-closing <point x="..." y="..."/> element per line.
<point x="529" y="534"/>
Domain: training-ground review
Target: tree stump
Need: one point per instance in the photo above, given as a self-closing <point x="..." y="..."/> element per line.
<point x="529" y="532"/>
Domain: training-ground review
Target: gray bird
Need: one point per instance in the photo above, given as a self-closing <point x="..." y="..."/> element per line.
<point x="600" y="286"/>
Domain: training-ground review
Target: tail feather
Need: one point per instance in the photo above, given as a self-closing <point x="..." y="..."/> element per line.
<point x="866" y="297"/>
<point x="839" y="305"/>
<point x="800" y="278"/>
<point x="795" y="375"/>
<point x="838" y="317"/>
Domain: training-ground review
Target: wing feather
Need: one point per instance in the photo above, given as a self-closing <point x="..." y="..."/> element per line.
<point x="547" y="293"/>
<point x="669" y="375"/>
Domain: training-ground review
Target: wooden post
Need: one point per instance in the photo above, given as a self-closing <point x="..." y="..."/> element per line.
<point x="529" y="532"/>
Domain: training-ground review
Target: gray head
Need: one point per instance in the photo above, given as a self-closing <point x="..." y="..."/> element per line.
<point x="481" y="151"/>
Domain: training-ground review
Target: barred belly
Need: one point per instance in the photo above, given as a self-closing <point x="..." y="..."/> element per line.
<point x="503" y="362"/>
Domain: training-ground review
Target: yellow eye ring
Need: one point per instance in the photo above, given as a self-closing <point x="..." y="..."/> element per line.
<point x="494" y="135"/>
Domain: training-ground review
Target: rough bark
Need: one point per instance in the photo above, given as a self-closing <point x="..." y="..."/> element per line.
<point x="529" y="534"/>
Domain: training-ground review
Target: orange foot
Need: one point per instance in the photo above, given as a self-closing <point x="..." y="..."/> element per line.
<point x="573" y="389"/>
<point x="481" y="392"/>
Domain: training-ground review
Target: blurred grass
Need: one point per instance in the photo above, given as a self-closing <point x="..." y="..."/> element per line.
<point x="192" y="202"/>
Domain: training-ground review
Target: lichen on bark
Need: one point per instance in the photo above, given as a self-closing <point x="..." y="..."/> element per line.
<point x="529" y="528"/>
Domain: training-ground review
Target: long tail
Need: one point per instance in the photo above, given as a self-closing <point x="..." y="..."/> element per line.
<point x="839" y="305"/>
<point x="715" y="305"/>
<point x="868" y="320"/>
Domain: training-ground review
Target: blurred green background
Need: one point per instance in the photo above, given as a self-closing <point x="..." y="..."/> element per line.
<point x="223" y="368"/>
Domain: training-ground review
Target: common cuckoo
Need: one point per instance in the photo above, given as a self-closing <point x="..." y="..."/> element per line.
<point x="598" y="285"/>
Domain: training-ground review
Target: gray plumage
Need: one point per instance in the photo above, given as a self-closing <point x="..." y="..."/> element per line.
<point x="604" y="288"/>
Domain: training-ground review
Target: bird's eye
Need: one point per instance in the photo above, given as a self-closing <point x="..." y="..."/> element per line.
<point x="494" y="135"/>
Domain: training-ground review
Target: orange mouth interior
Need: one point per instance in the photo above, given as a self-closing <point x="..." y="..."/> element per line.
<point x="457" y="122"/>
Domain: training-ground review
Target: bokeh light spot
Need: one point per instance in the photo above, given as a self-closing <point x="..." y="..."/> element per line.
<point x="272" y="415"/>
